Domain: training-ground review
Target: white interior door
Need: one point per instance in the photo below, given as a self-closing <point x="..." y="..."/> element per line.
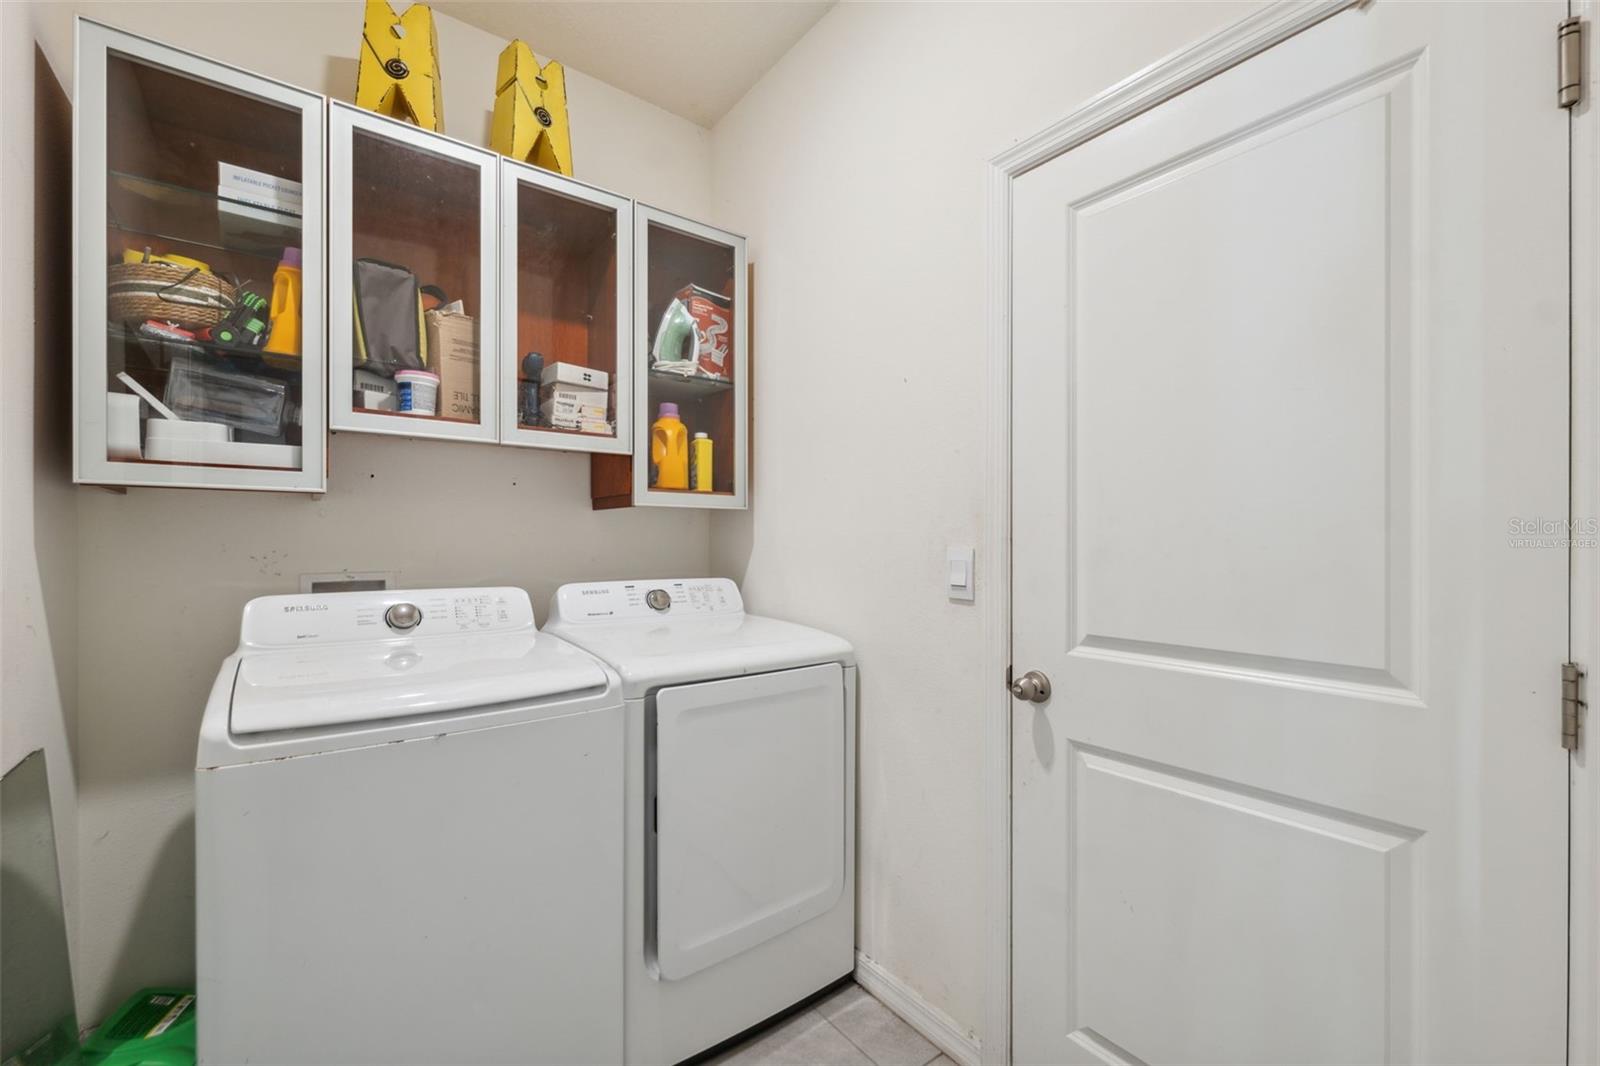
<point x="1290" y="362"/>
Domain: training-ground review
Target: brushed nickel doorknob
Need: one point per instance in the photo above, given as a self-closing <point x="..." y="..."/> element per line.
<point x="1032" y="686"/>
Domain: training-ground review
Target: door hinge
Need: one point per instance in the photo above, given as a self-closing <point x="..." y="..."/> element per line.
<point x="1569" y="62"/>
<point x="1572" y="706"/>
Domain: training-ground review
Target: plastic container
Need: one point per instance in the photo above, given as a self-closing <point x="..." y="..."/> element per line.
<point x="528" y="389"/>
<point x="700" y="463"/>
<point x="285" y="336"/>
<point x="198" y="391"/>
<point x="155" y="1027"/>
<point x="669" y="449"/>
<point x="417" y="392"/>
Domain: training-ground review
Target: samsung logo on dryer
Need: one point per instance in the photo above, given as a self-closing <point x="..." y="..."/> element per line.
<point x="300" y="608"/>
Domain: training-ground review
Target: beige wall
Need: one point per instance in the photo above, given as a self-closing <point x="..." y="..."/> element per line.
<point x="38" y="519"/>
<point x="857" y="167"/>
<point x="162" y="574"/>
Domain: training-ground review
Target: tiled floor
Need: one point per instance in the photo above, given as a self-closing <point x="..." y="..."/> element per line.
<point x="847" y="1028"/>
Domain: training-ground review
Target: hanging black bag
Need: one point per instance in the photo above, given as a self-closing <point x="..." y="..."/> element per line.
<point x="389" y="332"/>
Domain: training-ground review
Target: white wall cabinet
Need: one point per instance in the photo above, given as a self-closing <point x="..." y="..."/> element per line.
<point x="248" y="257"/>
<point x="690" y="363"/>
<point x="199" y="201"/>
<point x="566" y="283"/>
<point x="412" y="223"/>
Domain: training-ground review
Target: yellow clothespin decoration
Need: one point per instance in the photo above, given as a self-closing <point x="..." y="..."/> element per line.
<point x="398" y="74"/>
<point x="530" y="111"/>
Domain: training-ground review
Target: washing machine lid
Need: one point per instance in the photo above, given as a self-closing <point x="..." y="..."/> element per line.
<point x="702" y="633"/>
<point x="307" y="662"/>
<point x="310" y="688"/>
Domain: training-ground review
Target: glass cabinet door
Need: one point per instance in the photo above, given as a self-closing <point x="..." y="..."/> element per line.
<point x="566" y="272"/>
<point x="199" y="303"/>
<point x="411" y="251"/>
<point x="691" y="419"/>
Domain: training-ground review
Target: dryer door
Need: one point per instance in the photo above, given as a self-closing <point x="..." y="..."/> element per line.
<point x="750" y="810"/>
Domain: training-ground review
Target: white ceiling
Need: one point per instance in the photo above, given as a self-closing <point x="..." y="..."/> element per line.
<point x="695" y="58"/>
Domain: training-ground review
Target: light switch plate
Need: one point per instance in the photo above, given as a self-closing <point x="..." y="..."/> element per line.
<point x="958" y="574"/>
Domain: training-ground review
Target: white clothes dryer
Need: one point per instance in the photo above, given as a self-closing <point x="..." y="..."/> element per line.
<point x="740" y="806"/>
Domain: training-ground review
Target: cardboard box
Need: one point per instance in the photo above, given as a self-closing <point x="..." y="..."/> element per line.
<point x="599" y="426"/>
<point x="573" y="414"/>
<point x="564" y="398"/>
<point x="453" y="355"/>
<point x="573" y="374"/>
<point x="713" y="326"/>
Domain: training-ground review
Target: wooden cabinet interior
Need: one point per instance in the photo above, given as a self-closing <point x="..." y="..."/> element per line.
<point x="165" y="135"/>
<point x="676" y="260"/>
<point x="420" y="211"/>
<point x="567" y="284"/>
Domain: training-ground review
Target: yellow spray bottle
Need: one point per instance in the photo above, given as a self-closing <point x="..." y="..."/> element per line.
<point x="700" y="463"/>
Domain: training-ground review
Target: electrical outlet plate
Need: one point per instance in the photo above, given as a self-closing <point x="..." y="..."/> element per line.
<point x="349" y="581"/>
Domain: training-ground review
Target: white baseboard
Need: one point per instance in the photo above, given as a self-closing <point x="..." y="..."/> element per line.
<point x="941" y="1030"/>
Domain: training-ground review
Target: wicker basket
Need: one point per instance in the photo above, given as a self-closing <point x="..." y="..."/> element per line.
<point x="186" y="296"/>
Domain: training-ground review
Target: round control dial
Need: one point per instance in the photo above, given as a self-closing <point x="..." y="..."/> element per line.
<point x="403" y="616"/>
<point x="658" y="599"/>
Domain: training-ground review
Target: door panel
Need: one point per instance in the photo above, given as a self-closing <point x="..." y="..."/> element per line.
<point x="1289" y="358"/>
<point x="750" y="812"/>
<point x="1182" y="430"/>
<point x="1255" y="868"/>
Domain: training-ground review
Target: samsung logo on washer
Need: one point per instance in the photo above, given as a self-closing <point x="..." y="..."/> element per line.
<point x="296" y="608"/>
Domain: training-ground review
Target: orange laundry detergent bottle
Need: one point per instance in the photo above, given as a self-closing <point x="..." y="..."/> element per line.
<point x="284" y="339"/>
<point x="669" y="449"/>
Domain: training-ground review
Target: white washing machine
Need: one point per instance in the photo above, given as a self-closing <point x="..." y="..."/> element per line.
<point x="740" y="806"/>
<point x="409" y="827"/>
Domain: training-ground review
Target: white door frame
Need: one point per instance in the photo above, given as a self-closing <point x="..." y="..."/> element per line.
<point x="1155" y="84"/>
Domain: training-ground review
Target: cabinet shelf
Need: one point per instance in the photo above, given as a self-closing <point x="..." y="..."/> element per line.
<point x="176" y="214"/>
<point x="163" y="350"/>
<point x="446" y="419"/>
<point x="673" y="388"/>
<point x="725" y="493"/>
<point x="566" y="432"/>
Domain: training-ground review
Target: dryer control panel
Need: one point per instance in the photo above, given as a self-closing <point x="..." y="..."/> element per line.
<point x="335" y="617"/>
<point x="619" y="601"/>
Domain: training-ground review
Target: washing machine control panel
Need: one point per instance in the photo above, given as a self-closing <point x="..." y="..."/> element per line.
<point x="612" y="601"/>
<point x="294" y="621"/>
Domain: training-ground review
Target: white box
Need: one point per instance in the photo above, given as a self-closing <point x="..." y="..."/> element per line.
<point x="281" y="212"/>
<point x="576" y="398"/>
<point x="598" y="427"/>
<point x="573" y="374"/>
<point x="252" y="224"/>
<point x="574" y="409"/>
<point x="254" y="186"/>
<point x="373" y="392"/>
